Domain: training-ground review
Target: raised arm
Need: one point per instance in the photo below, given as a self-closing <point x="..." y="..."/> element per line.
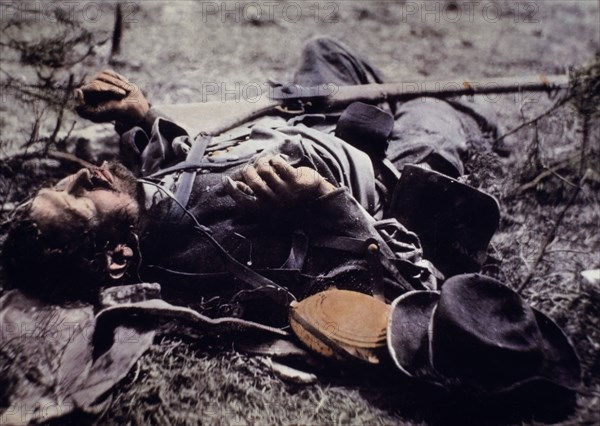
<point x="111" y="97"/>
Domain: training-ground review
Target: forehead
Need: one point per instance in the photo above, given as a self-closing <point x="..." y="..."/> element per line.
<point x="51" y="210"/>
<point x="55" y="209"/>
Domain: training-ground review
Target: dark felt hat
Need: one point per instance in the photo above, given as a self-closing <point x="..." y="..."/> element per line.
<point x="480" y="335"/>
<point x="365" y="127"/>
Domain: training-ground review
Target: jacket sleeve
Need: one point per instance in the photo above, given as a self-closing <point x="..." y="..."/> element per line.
<point x="145" y="152"/>
<point x="337" y="223"/>
<point x="145" y="123"/>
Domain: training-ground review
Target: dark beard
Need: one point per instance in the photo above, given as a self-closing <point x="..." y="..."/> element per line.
<point x="126" y="182"/>
<point x="70" y="264"/>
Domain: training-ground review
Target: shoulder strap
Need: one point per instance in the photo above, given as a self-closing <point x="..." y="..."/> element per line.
<point x="185" y="182"/>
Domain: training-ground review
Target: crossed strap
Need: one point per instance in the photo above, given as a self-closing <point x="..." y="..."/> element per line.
<point x="374" y="249"/>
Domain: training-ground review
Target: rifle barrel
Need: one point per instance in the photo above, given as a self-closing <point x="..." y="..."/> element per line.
<point x="217" y="117"/>
<point x="342" y="95"/>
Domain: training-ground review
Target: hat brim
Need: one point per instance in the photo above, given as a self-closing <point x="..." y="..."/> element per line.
<point x="407" y="330"/>
<point x="411" y="338"/>
<point x="561" y="365"/>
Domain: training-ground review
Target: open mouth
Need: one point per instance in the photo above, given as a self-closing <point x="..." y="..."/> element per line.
<point x="101" y="178"/>
<point x="117" y="274"/>
<point x="116" y="267"/>
<point x="117" y="261"/>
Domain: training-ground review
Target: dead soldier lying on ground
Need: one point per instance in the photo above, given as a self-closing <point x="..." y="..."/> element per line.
<point x="279" y="222"/>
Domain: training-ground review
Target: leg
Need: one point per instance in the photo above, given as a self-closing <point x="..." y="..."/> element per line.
<point x="455" y="222"/>
<point x="428" y="131"/>
<point x="440" y="133"/>
<point x="325" y="60"/>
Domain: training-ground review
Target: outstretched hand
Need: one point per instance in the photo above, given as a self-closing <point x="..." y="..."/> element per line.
<point x="272" y="182"/>
<point x="111" y="97"/>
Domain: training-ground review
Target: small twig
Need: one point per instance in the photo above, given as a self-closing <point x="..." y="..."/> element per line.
<point x="61" y="111"/>
<point x="70" y="158"/>
<point x="115" y="48"/>
<point x="564" y="179"/>
<point x="12" y="213"/>
<point x="63" y="140"/>
<point x="7" y="207"/>
<point x="568" y="251"/>
<point x="35" y="129"/>
<point x="585" y="134"/>
<point x="550" y="236"/>
<point x="559" y="102"/>
<point x="545" y="174"/>
<point x="5" y="201"/>
<point x="56" y="155"/>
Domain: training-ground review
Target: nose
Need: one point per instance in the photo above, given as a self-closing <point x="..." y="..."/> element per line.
<point x="74" y="183"/>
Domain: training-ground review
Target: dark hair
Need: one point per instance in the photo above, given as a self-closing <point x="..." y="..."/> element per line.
<point x="66" y="263"/>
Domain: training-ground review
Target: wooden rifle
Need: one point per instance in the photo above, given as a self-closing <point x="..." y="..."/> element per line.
<point x="217" y="117"/>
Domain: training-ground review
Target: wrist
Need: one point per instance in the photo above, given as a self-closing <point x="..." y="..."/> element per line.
<point x="135" y="117"/>
<point x="137" y="111"/>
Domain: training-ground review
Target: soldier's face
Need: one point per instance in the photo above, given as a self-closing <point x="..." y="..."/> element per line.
<point x="97" y="202"/>
<point x="89" y="196"/>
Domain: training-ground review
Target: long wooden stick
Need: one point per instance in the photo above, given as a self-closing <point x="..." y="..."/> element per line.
<point x="344" y="95"/>
<point x="217" y="117"/>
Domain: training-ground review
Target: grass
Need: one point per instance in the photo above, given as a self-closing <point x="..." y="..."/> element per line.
<point x="173" y="50"/>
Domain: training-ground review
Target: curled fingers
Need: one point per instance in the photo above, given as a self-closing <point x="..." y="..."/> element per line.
<point x="257" y="184"/>
<point x="240" y="192"/>
<point x="117" y="80"/>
